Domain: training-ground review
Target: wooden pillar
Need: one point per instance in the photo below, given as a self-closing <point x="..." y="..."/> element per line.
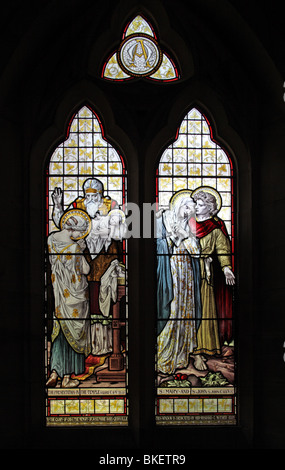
<point x="116" y="360"/>
<point x="116" y="364"/>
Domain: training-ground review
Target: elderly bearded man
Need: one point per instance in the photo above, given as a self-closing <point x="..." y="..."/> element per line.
<point x="101" y="250"/>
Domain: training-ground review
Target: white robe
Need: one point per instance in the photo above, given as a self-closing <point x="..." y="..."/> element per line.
<point x="98" y="237"/>
<point x="178" y="338"/>
<point x="70" y="293"/>
<point x="101" y="331"/>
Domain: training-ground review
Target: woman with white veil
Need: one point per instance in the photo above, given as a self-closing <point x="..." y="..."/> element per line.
<point x="71" y="341"/>
<point x="177" y="334"/>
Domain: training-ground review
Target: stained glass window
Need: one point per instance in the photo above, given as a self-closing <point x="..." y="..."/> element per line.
<point x="195" y="357"/>
<point x="86" y="279"/>
<point x="140" y="55"/>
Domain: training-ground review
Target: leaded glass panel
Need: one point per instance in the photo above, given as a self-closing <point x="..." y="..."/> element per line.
<point x="86" y="279"/>
<point x="195" y="359"/>
<point x="139" y="55"/>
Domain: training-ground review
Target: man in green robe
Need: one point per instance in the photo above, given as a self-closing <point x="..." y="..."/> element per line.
<point x="216" y="260"/>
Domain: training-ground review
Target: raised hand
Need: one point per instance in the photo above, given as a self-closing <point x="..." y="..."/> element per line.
<point x="57" y="197"/>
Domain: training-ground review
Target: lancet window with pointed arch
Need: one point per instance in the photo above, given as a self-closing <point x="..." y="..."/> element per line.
<point x="195" y="362"/>
<point x="86" y="282"/>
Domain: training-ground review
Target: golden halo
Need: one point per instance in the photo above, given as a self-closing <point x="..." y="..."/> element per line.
<point x="213" y="191"/>
<point x="78" y="213"/>
<point x="118" y="212"/>
<point x="179" y="195"/>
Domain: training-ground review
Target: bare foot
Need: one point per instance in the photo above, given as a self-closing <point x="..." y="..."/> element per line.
<point x="52" y="381"/>
<point x="199" y="362"/>
<point x="69" y="383"/>
<point x="162" y="378"/>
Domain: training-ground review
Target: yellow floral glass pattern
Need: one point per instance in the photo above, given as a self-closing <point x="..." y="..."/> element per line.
<point x="180" y="405"/>
<point x="102" y="406"/>
<point x="86" y="406"/>
<point x="84" y="153"/>
<point x="166" y="405"/>
<point x="57" y="407"/>
<point x="193" y="406"/>
<point x="194" y="159"/>
<point x="72" y="406"/>
<point x="117" y="406"/>
<point x="196" y="405"/>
